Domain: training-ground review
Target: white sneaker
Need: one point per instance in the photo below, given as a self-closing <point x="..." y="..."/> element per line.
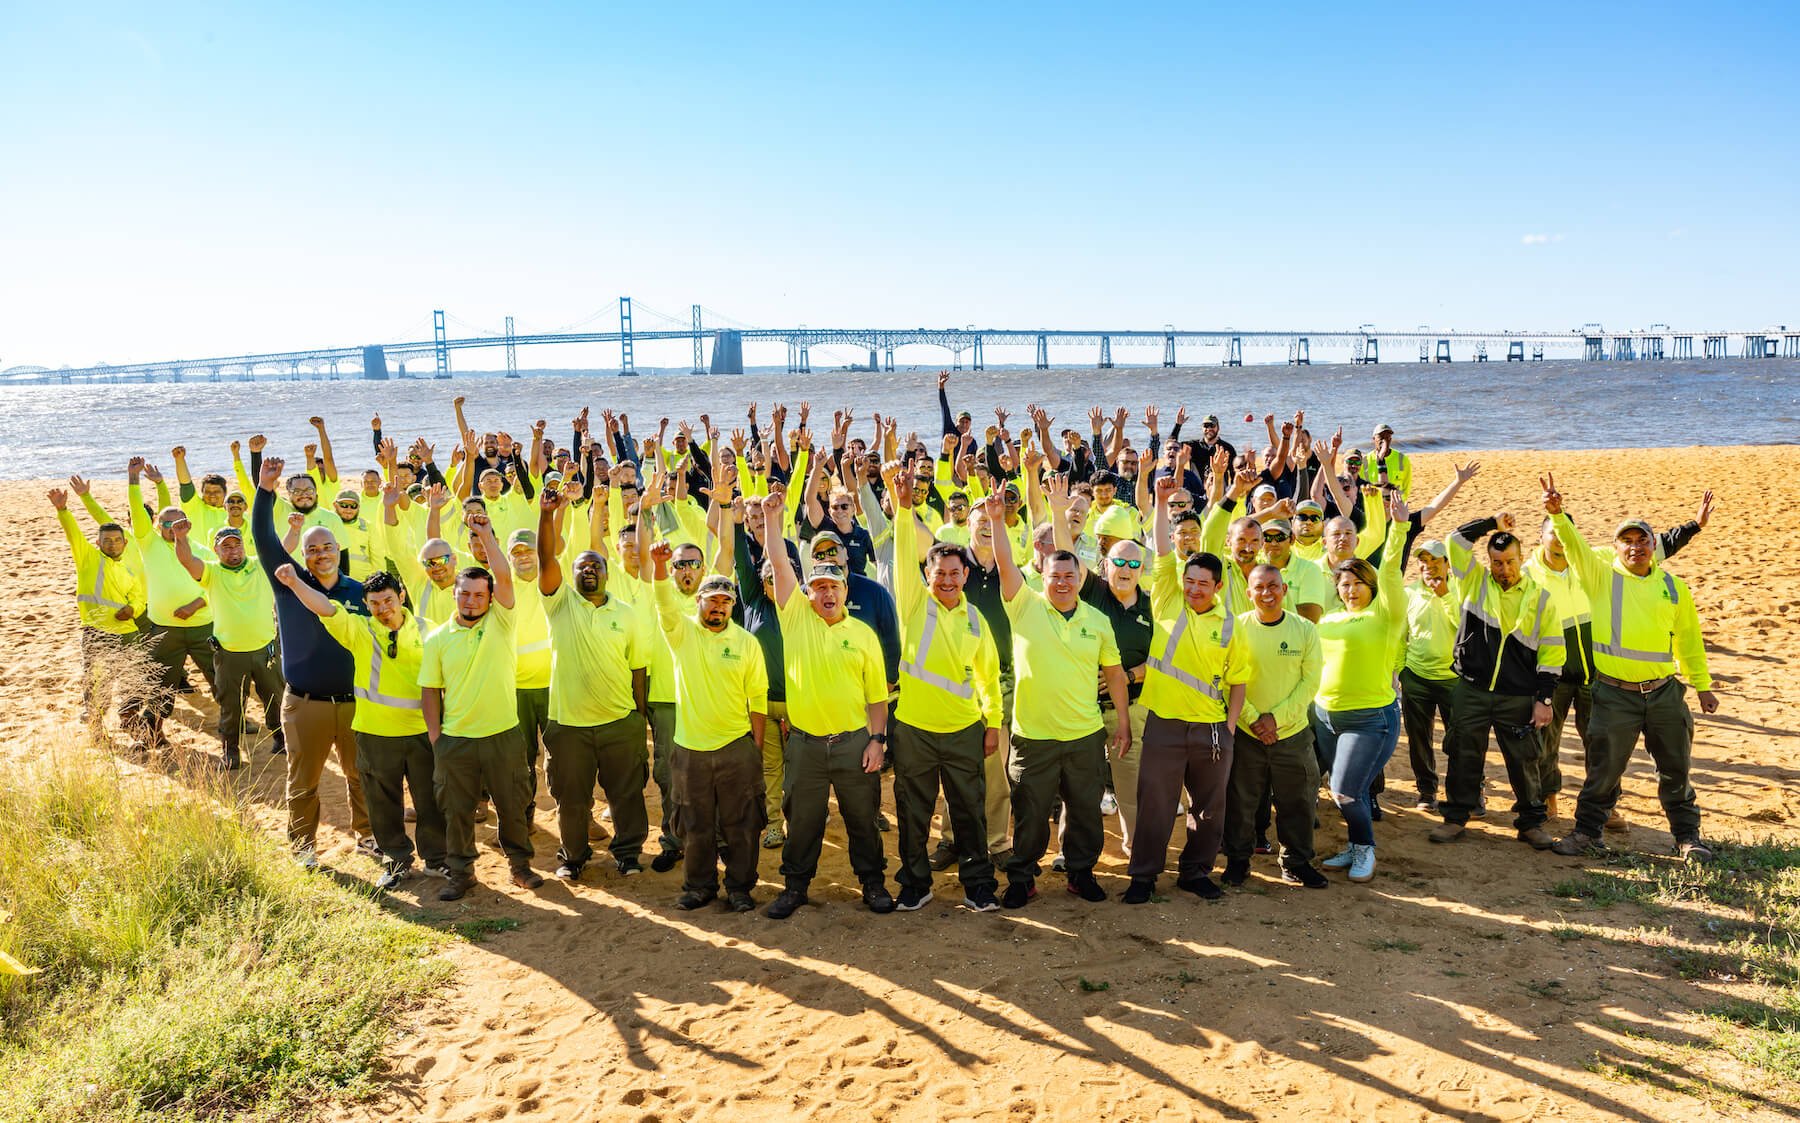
<point x="307" y="857"/>
<point x="1341" y="860"/>
<point x="1108" y="804"/>
<point x="606" y="814"/>
<point x="1362" y="864"/>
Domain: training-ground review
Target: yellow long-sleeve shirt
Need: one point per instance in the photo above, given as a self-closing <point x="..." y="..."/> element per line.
<point x="949" y="666"/>
<point x="103" y="585"/>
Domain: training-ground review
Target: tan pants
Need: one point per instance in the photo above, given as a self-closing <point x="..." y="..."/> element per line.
<point x="773" y="739"/>
<point x="313" y="729"/>
<point x="1125" y="772"/>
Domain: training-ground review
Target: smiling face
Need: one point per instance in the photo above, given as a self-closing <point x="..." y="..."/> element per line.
<point x="303" y="494"/>
<point x="384" y="605"/>
<point x="1267" y="591"/>
<point x="229" y="550"/>
<point x="1124" y="565"/>
<point x="1636" y="551"/>
<point x="1062" y="583"/>
<point x="1245" y="541"/>
<point x="1199" y="587"/>
<point x="827" y="596"/>
<point x="319" y="549"/>
<point x="1355" y="594"/>
<point x="946" y="576"/>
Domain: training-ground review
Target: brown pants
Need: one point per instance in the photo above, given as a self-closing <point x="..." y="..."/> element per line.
<point x="718" y="795"/>
<point x="1181" y="754"/>
<point x="313" y="729"/>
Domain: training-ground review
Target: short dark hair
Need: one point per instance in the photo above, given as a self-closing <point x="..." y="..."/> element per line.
<point x="477" y="500"/>
<point x="1188" y="516"/>
<point x="1062" y="556"/>
<point x="1207" y="561"/>
<point x="213" y="478"/>
<point x="381" y="581"/>
<point x="1501" y="541"/>
<point x="114" y="527"/>
<point x="1105" y="478"/>
<point x="941" y="550"/>
<point x="472" y="572"/>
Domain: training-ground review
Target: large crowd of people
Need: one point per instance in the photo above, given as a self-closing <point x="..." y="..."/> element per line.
<point x="1033" y="630"/>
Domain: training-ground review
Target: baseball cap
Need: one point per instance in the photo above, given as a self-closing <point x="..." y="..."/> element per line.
<point x="1210" y="419"/>
<point x="1260" y="491"/>
<point x="1384" y="427"/>
<point x="825" y="571"/>
<point x="1282" y="525"/>
<point x="718" y="585"/>
<point x="826" y="536"/>
<point x="521" y="537"/>
<point x="225" y="532"/>
<point x="1309" y="505"/>
<point x="1431" y="547"/>
<point x="1634" y="524"/>
<point x="1355" y="456"/>
<point x="349" y="495"/>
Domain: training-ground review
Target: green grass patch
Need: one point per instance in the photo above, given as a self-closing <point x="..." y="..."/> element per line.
<point x="1393" y="944"/>
<point x="1093" y="987"/>
<point x="482" y="929"/>
<point x="187" y="966"/>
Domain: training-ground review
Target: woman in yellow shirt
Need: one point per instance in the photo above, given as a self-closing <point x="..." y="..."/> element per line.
<point x="1356" y="717"/>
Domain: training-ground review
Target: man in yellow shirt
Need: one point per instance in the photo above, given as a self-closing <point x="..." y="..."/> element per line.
<point x="180" y="620"/>
<point x="837" y="723"/>
<point x="243" y="639"/>
<point x="532" y="634"/>
<point x="947" y="722"/>
<point x="393" y="753"/>
<point x="598" y="697"/>
<point x="109" y="599"/>
<point x="1272" y="749"/>
<point x="1428" y="672"/>
<point x="721" y="703"/>
<point x="1645" y="629"/>
<point x="469" y="688"/>
<point x="1061" y="647"/>
<point x="1199" y="669"/>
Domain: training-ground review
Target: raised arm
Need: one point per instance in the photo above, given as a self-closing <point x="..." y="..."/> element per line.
<point x="496" y="556"/>
<point x="1161" y="533"/>
<point x="184" y="550"/>
<point x="325" y="458"/>
<point x="949" y="419"/>
<point x="316" y="602"/>
<point x="1011" y="580"/>
<point x="772" y="507"/>
<point x="1464" y="473"/>
<point x="549" y="567"/>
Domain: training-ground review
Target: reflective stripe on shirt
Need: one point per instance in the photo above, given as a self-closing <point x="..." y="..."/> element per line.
<point x="964" y="689"/>
<point x="1166" y="662"/>
<point x="1619" y="651"/>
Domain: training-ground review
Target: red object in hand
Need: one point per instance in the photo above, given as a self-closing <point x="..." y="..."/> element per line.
<point x="1249" y="418"/>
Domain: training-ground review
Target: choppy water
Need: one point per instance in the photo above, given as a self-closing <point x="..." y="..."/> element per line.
<point x="55" y="430"/>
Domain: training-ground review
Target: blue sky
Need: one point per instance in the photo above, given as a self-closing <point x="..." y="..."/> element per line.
<point x="206" y="179"/>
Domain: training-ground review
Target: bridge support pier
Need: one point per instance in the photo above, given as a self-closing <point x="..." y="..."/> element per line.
<point x="1443" y="350"/>
<point x="1481" y="351"/>
<point x="512" y="355"/>
<point x="956" y="358"/>
<point x="1593" y="348"/>
<point x="978" y="363"/>
<point x="805" y="359"/>
<point x="1790" y="346"/>
<point x="1043" y="352"/>
<point x="874" y="364"/>
<point x="1759" y="347"/>
<point x="887" y="363"/>
<point x="1168" y="349"/>
<point x="1682" y="347"/>
<point x="1623" y="349"/>
<point x="1715" y="347"/>
<point x="1515" y="351"/>
<point x="1653" y="347"/>
<point x="1234" y="352"/>
<point x="1106" y="362"/>
<point x="375" y="366"/>
<point x="1300" y="352"/>
<point x="437" y="336"/>
<point x="699" y="347"/>
<point x="627" y="354"/>
<point x="728" y="352"/>
<point x="1370" y="351"/>
<point x="1537" y="352"/>
<point x="1424" y="351"/>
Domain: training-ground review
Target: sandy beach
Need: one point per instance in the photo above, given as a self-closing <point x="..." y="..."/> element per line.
<point x="1440" y="990"/>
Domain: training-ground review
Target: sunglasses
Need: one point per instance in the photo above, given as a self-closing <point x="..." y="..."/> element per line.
<point x="688" y="563"/>
<point x="393" y="645"/>
<point x="1308" y="518"/>
<point x="840" y="506"/>
<point x="441" y="559"/>
<point x="1275" y="537"/>
<point x="1180" y="504"/>
<point x="1124" y="563"/>
<point x="826" y="552"/>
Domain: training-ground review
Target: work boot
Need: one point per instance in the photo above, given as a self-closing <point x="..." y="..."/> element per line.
<point x="1616" y="824"/>
<point x="1237" y="871"/>
<point x="1576" y="845"/>
<point x="1139" y="891"/>
<point x="1538" y="837"/>
<point x="784" y="905"/>
<point x="943" y="856"/>
<point x="1084" y="886"/>
<point x="233" y="761"/>
<point x="692" y="899"/>
<point x="527" y="878"/>
<point x="1693" y="850"/>
<point x="456" y="887"/>
<point x="1447" y="832"/>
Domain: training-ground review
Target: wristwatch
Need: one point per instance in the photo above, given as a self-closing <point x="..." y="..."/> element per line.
<point x="879" y="737"/>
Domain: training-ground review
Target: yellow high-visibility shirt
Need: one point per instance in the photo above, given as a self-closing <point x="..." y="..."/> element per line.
<point x="949" y="666"/>
<point x="1306" y="585"/>
<point x="1431" y="631"/>
<point x="1195" y="657"/>
<point x="102" y="585"/>
<point x="532" y="635"/>
<point x="386" y="685"/>
<point x="720" y="679"/>
<point x="1359" y="647"/>
<point x="834" y="672"/>
<point x="1056" y="662"/>
<point x="1644" y="627"/>
<point x="641" y="595"/>
<point x="474" y="667"/>
<point x="594" y="648"/>
<point x="243" y="605"/>
<point x="167" y="581"/>
<point x="1286" y="664"/>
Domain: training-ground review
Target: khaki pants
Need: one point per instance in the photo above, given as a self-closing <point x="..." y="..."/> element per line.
<point x="774" y="744"/>
<point x="1125" y="772"/>
<point x="662" y="738"/>
<point x="314" y="729"/>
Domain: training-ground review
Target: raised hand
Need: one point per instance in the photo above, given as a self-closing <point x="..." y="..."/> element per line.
<point x="270" y="475"/>
<point x="78" y="485"/>
<point x="1506" y="522"/>
<point x="943" y="379"/>
<point x="1553" y="500"/>
<point x="1705" y="513"/>
<point x="390" y="494"/>
<point x="1150" y="418"/>
<point x="59" y="499"/>
<point x="436" y="496"/>
<point x="1467" y="472"/>
<point x="296" y="520"/>
<point x="316" y="422"/>
<point x="258" y="442"/>
<point x="153" y="473"/>
<point x="1181" y="416"/>
<point x="285" y="574"/>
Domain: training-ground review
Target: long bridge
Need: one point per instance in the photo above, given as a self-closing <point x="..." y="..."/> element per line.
<point x="1364" y="344"/>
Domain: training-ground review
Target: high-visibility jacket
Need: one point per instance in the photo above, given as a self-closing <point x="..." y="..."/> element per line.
<point x="949" y="664"/>
<point x="1644" y="627"/>
<point x="1195" y="658"/>
<point x="102" y="585"/>
<point x="1509" y="641"/>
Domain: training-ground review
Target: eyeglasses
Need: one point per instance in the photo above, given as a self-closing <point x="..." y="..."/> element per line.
<point x="688" y="563"/>
<point x="1127" y="563"/>
<point x="841" y="507"/>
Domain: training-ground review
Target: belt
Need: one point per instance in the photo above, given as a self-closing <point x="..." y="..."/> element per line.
<point x="334" y="699"/>
<point x="1646" y="687"/>
<point x="832" y="739"/>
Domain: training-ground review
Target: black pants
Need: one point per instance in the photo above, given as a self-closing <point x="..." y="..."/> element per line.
<point x="1181" y="754"/>
<point x="463" y="767"/>
<point x="1041" y="772"/>
<point x="817" y="768"/>
<point x="662" y="737"/>
<point x="1577" y="696"/>
<point x="236" y="672"/>
<point x="718" y="795"/>
<point x="614" y="756"/>
<point x="924" y="762"/>
<point x="534" y="721"/>
<point x="1663" y="720"/>
<point x="171" y="646"/>
<point x="1508" y="717"/>
<point x="1285" y="773"/>
<point x="390" y="766"/>
<point x="1423" y="703"/>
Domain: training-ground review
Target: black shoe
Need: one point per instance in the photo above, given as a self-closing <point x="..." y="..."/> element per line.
<point x="569" y="871"/>
<point x="1305" y="875"/>
<point x="1138" y="892"/>
<point x="631" y="867"/>
<point x="664" y="861"/>
<point x="943" y="857"/>
<point x="278" y="747"/>
<point x="877" y="897"/>
<point x="233" y="759"/>
<point x="1017" y="893"/>
<point x="1084" y="886"/>
<point x="881" y="822"/>
<point x="981" y="900"/>
<point x="1237" y="871"/>
<point x="1262" y="846"/>
<point x="1375" y="811"/>
<point x="456" y="888"/>
<point x="783" y="906"/>
<point x="739" y="901"/>
<point x="912" y="900"/>
<point x="1201" y="886"/>
<point x="692" y="899"/>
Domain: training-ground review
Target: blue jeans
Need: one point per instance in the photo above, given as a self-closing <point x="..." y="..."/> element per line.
<point x="1358" y="744"/>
